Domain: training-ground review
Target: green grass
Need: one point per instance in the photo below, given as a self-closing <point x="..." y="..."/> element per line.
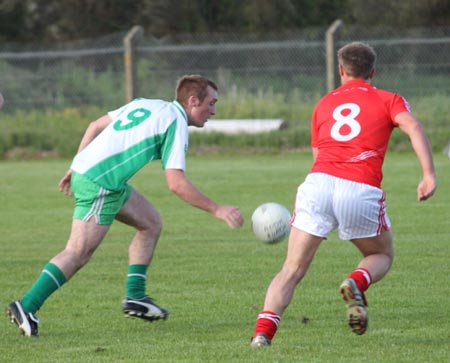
<point x="213" y="279"/>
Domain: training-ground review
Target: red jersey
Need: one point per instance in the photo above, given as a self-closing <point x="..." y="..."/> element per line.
<point x="351" y="127"/>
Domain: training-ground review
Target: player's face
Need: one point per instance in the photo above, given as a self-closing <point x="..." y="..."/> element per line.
<point x="203" y="110"/>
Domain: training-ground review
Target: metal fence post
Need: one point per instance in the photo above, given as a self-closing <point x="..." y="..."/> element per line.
<point x="129" y="42"/>
<point x="330" y="43"/>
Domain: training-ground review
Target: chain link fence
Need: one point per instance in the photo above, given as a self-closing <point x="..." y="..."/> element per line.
<point x="414" y="62"/>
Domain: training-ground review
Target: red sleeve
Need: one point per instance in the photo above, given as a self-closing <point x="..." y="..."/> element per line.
<point x="399" y="104"/>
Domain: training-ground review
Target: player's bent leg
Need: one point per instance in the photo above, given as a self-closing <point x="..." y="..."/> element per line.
<point x="377" y="259"/>
<point x="140" y="214"/>
<point x="137" y="212"/>
<point x="378" y="254"/>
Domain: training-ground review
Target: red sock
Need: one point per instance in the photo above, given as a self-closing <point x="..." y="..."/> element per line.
<point x="362" y="278"/>
<point x="267" y="323"/>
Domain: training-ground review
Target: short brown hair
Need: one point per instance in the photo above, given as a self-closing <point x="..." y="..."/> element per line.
<point x="192" y="85"/>
<point x="358" y="59"/>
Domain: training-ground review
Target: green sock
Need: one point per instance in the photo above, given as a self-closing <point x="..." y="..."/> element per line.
<point x="50" y="279"/>
<point x="136" y="278"/>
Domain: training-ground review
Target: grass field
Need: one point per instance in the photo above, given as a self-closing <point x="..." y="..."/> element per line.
<point x="213" y="279"/>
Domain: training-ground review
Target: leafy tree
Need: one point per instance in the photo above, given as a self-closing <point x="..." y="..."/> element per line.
<point x="401" y="14"/>
<point x="49" y="20"/>
<point x="251" y="16"/>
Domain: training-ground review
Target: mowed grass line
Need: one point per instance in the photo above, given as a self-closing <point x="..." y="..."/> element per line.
<point x="213" y="279"/>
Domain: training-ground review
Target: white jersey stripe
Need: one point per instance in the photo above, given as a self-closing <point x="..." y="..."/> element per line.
<point x="97" y="206"/>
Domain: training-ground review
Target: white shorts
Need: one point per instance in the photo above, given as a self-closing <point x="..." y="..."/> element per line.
<point x="324" y="203"/>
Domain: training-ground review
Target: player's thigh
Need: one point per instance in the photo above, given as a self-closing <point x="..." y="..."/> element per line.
<point x="86" y="235"/>
<point x="302" y="247"/>
<point x="139" y="213"/>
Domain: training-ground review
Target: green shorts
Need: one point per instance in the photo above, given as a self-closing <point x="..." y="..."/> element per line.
<point x="92" y="200"/>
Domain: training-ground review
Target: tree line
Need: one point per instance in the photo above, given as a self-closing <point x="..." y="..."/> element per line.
<point x="57" y="20"/>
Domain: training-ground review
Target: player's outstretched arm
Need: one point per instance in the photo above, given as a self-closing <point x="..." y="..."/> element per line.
<point x="421" y="146"/>
<point x="183" y="188"/>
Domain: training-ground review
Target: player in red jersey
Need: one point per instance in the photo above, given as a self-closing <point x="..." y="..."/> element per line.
<point x="351" y="127"/>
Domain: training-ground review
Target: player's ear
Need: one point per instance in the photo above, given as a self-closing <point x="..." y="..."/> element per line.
<point x="193" y="101"/>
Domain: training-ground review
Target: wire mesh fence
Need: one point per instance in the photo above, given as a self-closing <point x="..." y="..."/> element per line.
<point x="412" y="62"/>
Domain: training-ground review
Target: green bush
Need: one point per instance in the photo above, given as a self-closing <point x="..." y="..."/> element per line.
<point x="32" y="134"/>
<point x="48" y="133"/>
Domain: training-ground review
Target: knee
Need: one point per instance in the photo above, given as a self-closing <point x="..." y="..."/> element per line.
<point x="155" y="230"/>
<point x="390" y="258"/>
<point x="78" y="257"/>
<point x="293" y="274"/>
<point x="156" y="224"/>
<point x="388" y="254"/>
<point x="152" y="227"/>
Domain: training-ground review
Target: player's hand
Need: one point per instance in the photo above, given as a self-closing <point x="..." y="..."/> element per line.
<point x="64" y="183"/>
<point x="231" y="215"/>
<point x="426" y="188"/>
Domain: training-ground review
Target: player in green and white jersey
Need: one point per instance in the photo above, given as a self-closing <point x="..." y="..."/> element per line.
<point x="112" y="150"/>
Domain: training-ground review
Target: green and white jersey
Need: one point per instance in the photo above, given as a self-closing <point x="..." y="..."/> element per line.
<point x="141" y="131"/>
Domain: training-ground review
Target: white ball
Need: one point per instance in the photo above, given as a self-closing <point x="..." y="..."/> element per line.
<point x="270" y="222"/>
